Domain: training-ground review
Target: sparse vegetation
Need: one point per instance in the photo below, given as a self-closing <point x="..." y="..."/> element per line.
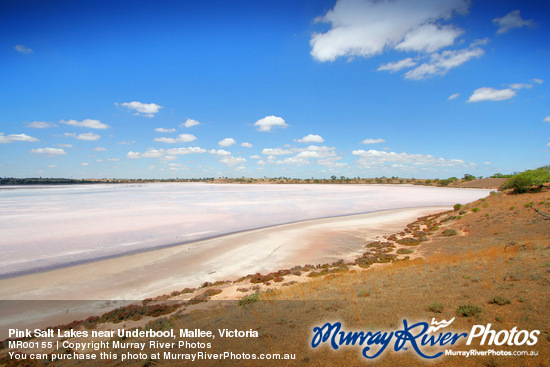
<point x="449" y="233"/>
<point x="498" y="300"/>
<point x="468" y="310"/>
<point x="436" y="307"/>
<point x="528" y="180"/>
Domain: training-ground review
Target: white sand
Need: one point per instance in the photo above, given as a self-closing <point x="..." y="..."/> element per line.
<point x="157" y="272"/>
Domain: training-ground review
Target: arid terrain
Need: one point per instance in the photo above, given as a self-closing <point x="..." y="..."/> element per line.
<point x="487" y="262"/>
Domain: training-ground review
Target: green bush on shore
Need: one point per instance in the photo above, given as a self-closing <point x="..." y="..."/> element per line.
<point x="529" y="180"/>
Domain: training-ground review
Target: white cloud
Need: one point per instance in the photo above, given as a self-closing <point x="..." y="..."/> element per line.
<point x="226" y="142"/>
<point x="52" y="166"/>
<point x="113" y="159"/>
<point x="182" y="138"/>
<point x="377" y="158"/>
<point x="518" y="86"/>
<point x="491" y="94"/>
<point x="190" y="122"/>
<point x="145" y="109"/>
<point x="49" y="151"/>
<point x="311" y="139"/>
<point x="480" y="42"/>
<point x="255" y="157"/>
<point x="441" y="63"/>
<point x="453" y="96"/>
<point x="127" y="142"/>
<point x="163" y="130"/>
<point x="64" y="145"/>
<point x="219" y="152"/>
<point x="4" y="139"/>
<point x="276" y="151"/>
<point x="40" y="124"/>
<point x="546" y="119"/>
<point x="133" y="155"/>
<point x="246" y="145"/>
<point x="538" y="81"/>
<point x="510" y="21"/>
<point x="398" y="65"/>
<point x="84" y="164"/>
<point x="100" y="149"/>
<point x="22" y="49"/>
<point x="84" y="136"/>
<point x="429" y="38"/>
<point x="269" y="122"/>
<point x="182" y="151"/>
<point x="323" y="154"/>
<point x="373" y="141"/>
<point x="89" y="123"/>
<point x="365" y="28"/>
<point x="152" y="153"/>
<point x="232" y="161"/>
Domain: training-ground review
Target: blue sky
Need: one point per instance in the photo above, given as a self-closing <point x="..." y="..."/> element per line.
<point x="144" y="89"/>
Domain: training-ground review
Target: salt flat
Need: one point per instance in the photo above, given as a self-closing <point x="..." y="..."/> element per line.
<point x="53" y="226"/>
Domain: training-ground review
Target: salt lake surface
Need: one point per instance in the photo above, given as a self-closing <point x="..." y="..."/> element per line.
<point x="44" y="227"/>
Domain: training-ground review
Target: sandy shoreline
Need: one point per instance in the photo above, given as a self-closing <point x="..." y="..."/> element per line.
<point x="152" y="273"/>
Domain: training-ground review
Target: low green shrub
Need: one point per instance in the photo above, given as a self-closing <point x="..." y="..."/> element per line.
<point x="436" y="307"/>
<point x="498" y="300"/>
<point x="468" y="310"/>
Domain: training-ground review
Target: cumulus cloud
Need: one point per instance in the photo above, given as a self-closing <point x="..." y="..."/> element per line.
<point x="512" y="20"/>
<point x="40" y="124"/>
<point x="376" y="158"/>
<point x="183" y="151"/>
<point x="100" y="149"/>
<point x="453" y="96"/>
<point x="22" y="49"/>
<point x="232" y="161"/>
<point x="5" y="139"/>
<point x="163" y="130"/>
<point x="49" y="151"/>
<point x="302" y="156"/>
<point x="441" y="63"/>
<point x="84" y="164"/>
<point x="429" y="38"/>
<point x="226" y="142"/>
<point x="246" y="145"/>
<point x="133" y="155"/>
<point x="311" y="139"/>
<point x="373" y="141"/>
<point x="269" y="122"/>
<point x="64" y="145"/>
<point x="219" y="152"/>
<point x="537" y="81"/>
<point x="491" y="94"/>
<point x="546" y="119"/>
<point x="276" y="151"/>
<point x="189" y="123"/>
<point x="89" y="123"/>
<point x="367" y="27"/>
<point x="397" y="65"/>
<point x="84" y="136"/>
<point x="145" y="109"/>
<point x="182" y="138"/>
